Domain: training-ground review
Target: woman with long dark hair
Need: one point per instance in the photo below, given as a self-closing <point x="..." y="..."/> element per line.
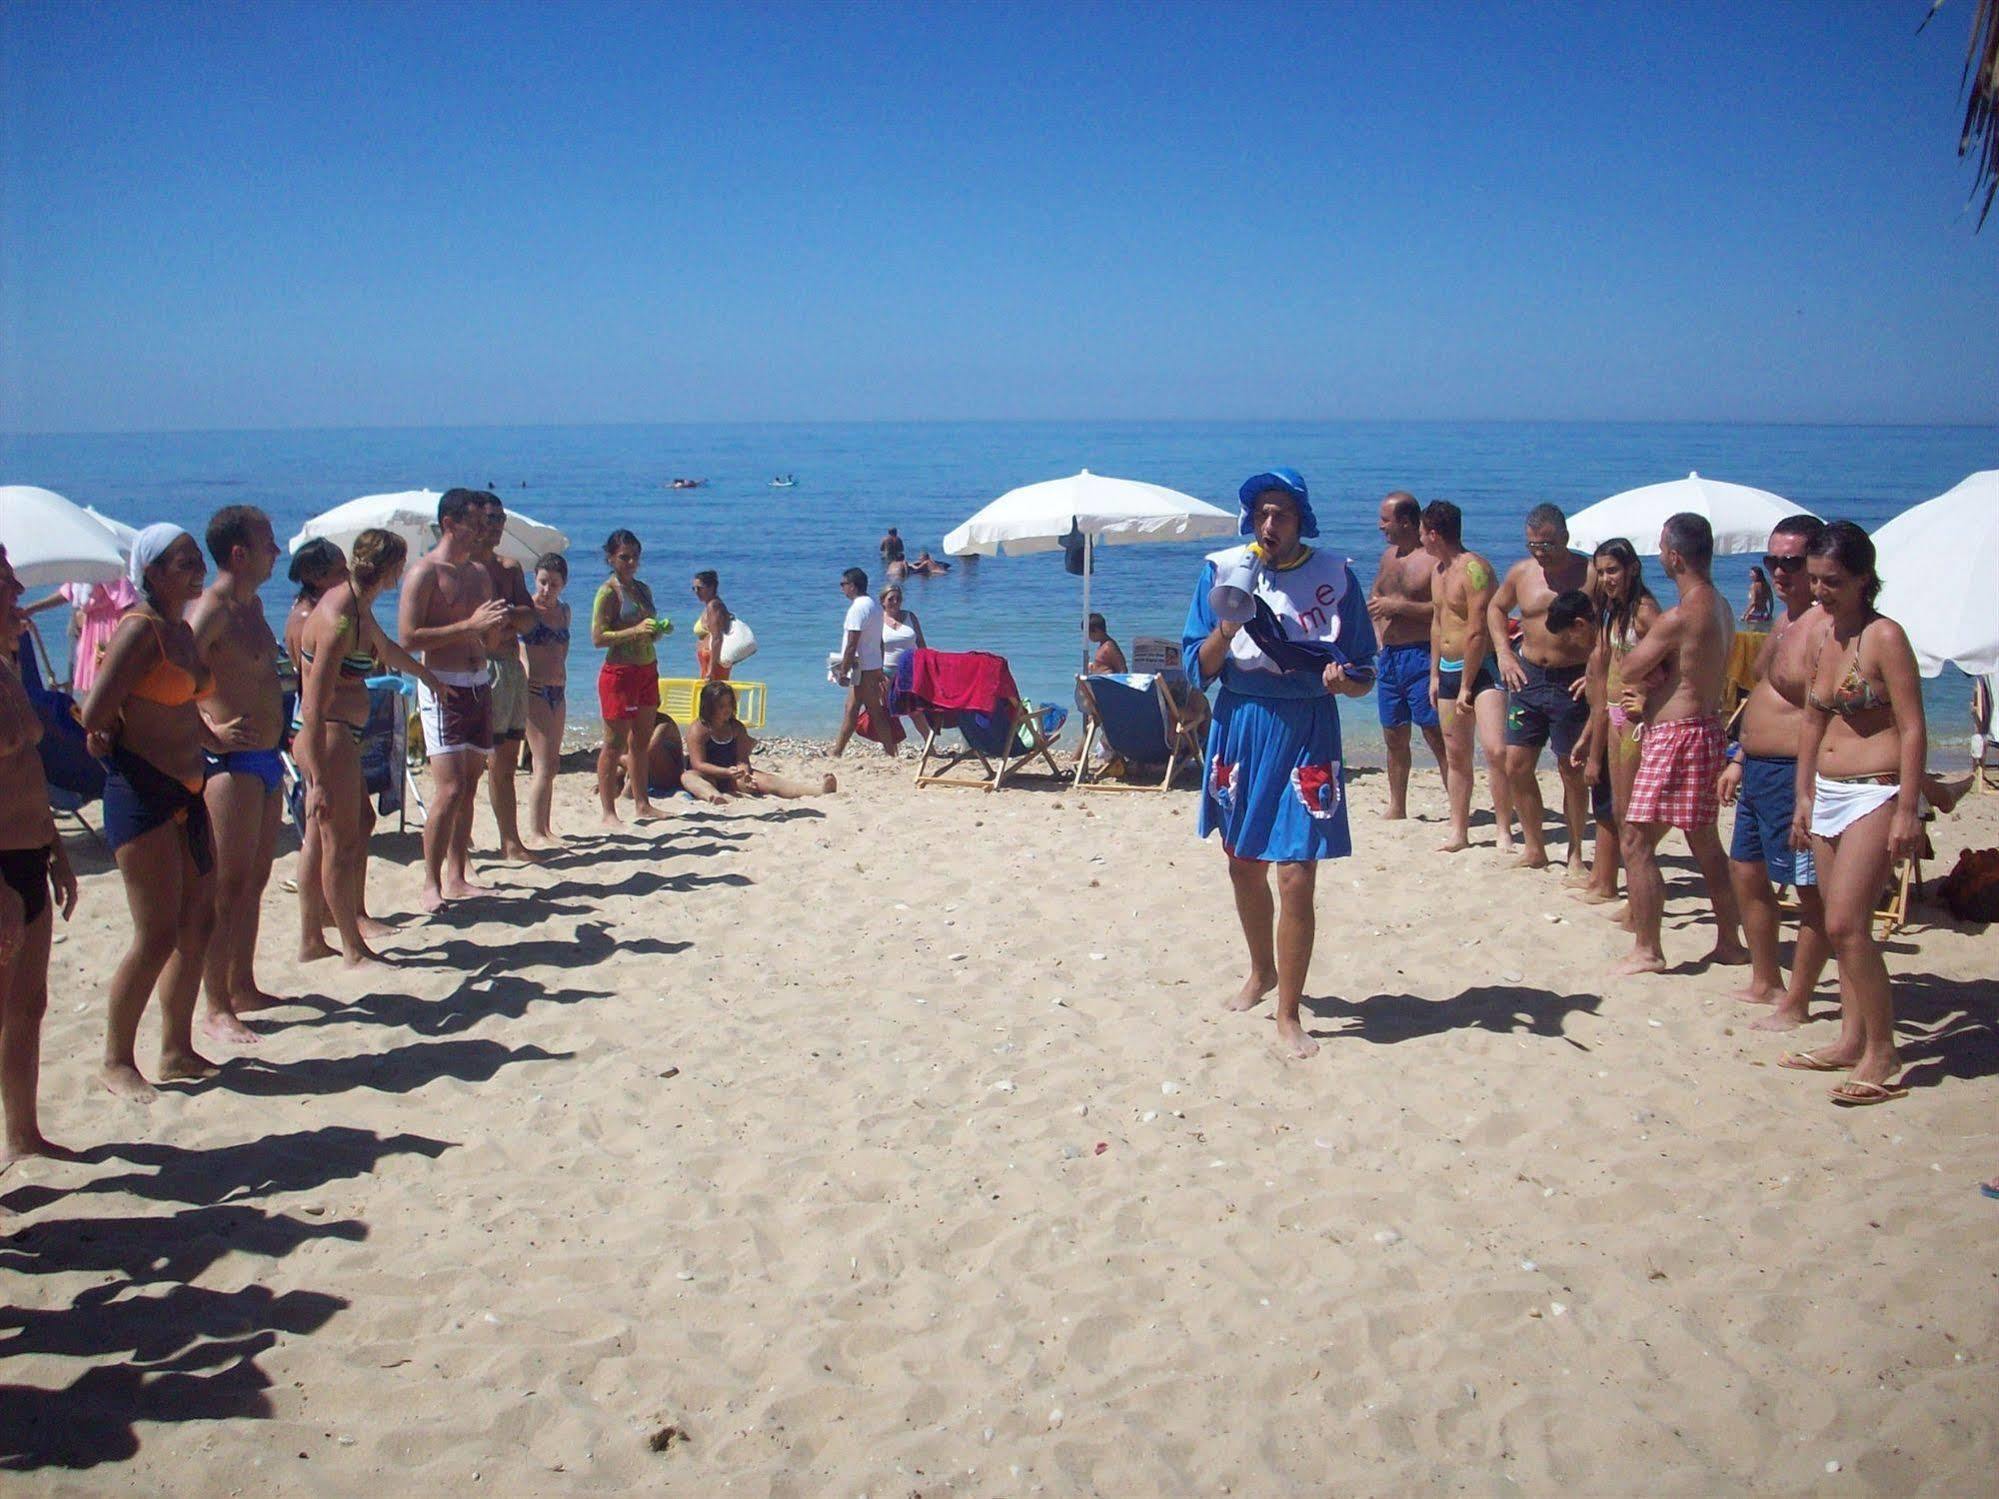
<point x="1758" y="610"/>
<point x="1626" y="611"/>
<point x="1861" y="755"/>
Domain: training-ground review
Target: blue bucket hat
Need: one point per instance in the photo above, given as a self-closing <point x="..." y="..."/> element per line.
<point x="1289" y="481"/>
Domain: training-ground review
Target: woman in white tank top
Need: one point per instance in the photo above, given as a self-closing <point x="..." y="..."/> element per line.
<point x="902" y="633"/>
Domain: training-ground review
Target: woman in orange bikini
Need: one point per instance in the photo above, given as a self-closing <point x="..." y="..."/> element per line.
<point x="142" y="724"/>
<point x="339" y="648"/>
<point x="1861" y="753"/>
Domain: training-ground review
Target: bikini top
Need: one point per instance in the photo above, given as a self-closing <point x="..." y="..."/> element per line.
<point x="1854" y="694"/>
<point x="543" y="633"/>
<point x="166" y="681"/>
<point x="354" y="665"/>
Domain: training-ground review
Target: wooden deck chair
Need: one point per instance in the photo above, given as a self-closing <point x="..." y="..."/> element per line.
<point x="1142" y="721"/>
<point x="995" y="726"/>
<point x="1905" y="881"/>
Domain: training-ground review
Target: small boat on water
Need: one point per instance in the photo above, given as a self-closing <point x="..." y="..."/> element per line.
<point x="784" y="481"/>
<point x="686" y="483"/>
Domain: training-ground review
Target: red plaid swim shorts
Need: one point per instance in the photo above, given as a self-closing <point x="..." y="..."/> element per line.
<point x="1679" y="764"/>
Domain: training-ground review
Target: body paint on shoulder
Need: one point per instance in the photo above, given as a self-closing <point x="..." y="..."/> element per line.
<point x="1478" y="574"/>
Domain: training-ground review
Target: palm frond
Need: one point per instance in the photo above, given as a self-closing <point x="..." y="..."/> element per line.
<point x="1979" y="138"/>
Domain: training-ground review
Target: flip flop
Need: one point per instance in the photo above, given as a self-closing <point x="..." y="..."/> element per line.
<point x="1807" y="1061"/>
<point x="1988" y="1189"/>
<point x="1854" y="1094"/>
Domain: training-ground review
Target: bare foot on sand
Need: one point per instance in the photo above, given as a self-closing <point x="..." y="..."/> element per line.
<point x="466" y="888"/>
<point x="364" y="959"/>
<point x="31" y="1146"/>
<point x="372" y="929"/>
<point x="1753" y="993"/>
<point x="186" y="1066"/>
<point x="519" y="853"/>
<point x="1455" y="846"/>
<point x="1640" y="962"/>
<point x="1253" y="989"/>
<point x="432" y="898"/>
<point x="828" y="786"/>
<point x="1394" y="814"/>
<point x="221" y="1025"/>
<point x="645" y="812"/>
<point x="123" y="1079"/>
<point x="1622" y="917"/>
<point x="1530" y="861"/>
<point x="314" y="947"/>
<point x="610" y="820"/>
<point x="1779" y="1019"/>
<point x="1291" y="1036"/>
<point x="1727" y="955"/>
<point x="1593" y="897"/>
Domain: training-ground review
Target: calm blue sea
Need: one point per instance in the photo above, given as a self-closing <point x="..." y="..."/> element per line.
<point x="780" y="552"/>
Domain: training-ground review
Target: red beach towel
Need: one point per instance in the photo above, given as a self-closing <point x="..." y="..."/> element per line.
<point x="968" y="681"/>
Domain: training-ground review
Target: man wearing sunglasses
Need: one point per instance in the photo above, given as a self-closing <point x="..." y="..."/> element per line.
<point x="1761" y="779"/>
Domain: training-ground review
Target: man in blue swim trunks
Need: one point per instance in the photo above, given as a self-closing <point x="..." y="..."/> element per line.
<point x="1399" y="604"/>
<point x="243" y="722"/>
<point x="1761" y="779"/>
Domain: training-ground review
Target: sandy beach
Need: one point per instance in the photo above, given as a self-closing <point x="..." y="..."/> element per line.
<point x="896" y="1143"/>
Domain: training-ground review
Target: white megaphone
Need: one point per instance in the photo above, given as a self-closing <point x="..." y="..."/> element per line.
<point x="1233" y="598"/>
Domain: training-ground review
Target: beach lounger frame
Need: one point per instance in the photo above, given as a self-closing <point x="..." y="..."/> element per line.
<point x="1018" y="719"/>
<point x="1179" y="724"/>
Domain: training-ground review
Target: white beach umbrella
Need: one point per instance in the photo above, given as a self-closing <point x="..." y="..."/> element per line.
<point x="412" y="515"/>
<point x="121" y="533"/>
<point x="50" y="540"/>
<point x="1939" y="567"/>
<point x="1742" y="517"/>
<point x="1036" y="518"/>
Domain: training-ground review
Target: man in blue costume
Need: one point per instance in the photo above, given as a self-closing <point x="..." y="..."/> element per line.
<point x="1274" y="783"/>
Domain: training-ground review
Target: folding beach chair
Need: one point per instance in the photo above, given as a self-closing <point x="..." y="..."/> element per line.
<point x="1905" y="882"/>
<point x="973" y="694"/>
<point x="1142" y="720"/>
<point x="75" y="780"/>
<point x="385" y="757"/>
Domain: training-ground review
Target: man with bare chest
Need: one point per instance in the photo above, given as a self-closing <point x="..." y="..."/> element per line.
<point x="1545" y="681"/>
<point x="447" y="613"/>
<point x="242" y="722"/>
<point x="1462" y="685"/>
<point x="1674" y="679"/>
<point x="1761" y="779"/>
<point x="1399" y="604"/>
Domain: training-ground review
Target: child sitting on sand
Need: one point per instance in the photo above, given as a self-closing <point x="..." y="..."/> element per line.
<point x="718" y="756"/>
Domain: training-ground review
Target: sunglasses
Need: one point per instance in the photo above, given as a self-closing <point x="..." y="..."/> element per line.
<point x="1537" y="547"/>
<point x="1782" y="564"/>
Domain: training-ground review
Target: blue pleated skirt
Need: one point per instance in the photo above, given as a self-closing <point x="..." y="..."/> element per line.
<point x="1275" y="787"/>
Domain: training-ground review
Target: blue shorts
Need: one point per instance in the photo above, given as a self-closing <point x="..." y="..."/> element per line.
<point x="1763" y="809"/>
<point x="267" y="765"/>
<point x="1402" y="685"/>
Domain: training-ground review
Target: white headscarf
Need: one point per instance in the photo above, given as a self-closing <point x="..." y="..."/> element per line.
<point x="148" y="547"/>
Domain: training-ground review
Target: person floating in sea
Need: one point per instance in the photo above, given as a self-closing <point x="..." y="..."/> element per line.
<point x="244" y="720"/>
<point x="1106" y="654"/>
<point x="33" y="868"/>
<point x="1546" y="683"/>
<point x="1399" y="604"/>
<point x="510" y="681"/>
<point x="141" y="720"/>
<point x="1462" y="685"/>
<point x="1762" y="781"/>
<point x="1274" y="785"/>
<point x="1674" y="679"/>
<point x="448" y="612"/>
<point x="891" y="548"/>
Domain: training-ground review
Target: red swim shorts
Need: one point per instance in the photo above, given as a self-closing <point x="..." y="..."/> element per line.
<point x="623" y="690"/>
<point x="1679" y="765"/>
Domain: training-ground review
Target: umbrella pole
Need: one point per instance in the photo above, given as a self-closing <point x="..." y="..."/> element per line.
<point x="1088" y="548"/>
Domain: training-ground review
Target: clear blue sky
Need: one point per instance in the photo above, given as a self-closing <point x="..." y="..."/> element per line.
<point x="269" y="215"/>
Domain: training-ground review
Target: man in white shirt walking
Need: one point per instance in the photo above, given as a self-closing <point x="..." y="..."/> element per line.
<point x="861" y="665"/>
